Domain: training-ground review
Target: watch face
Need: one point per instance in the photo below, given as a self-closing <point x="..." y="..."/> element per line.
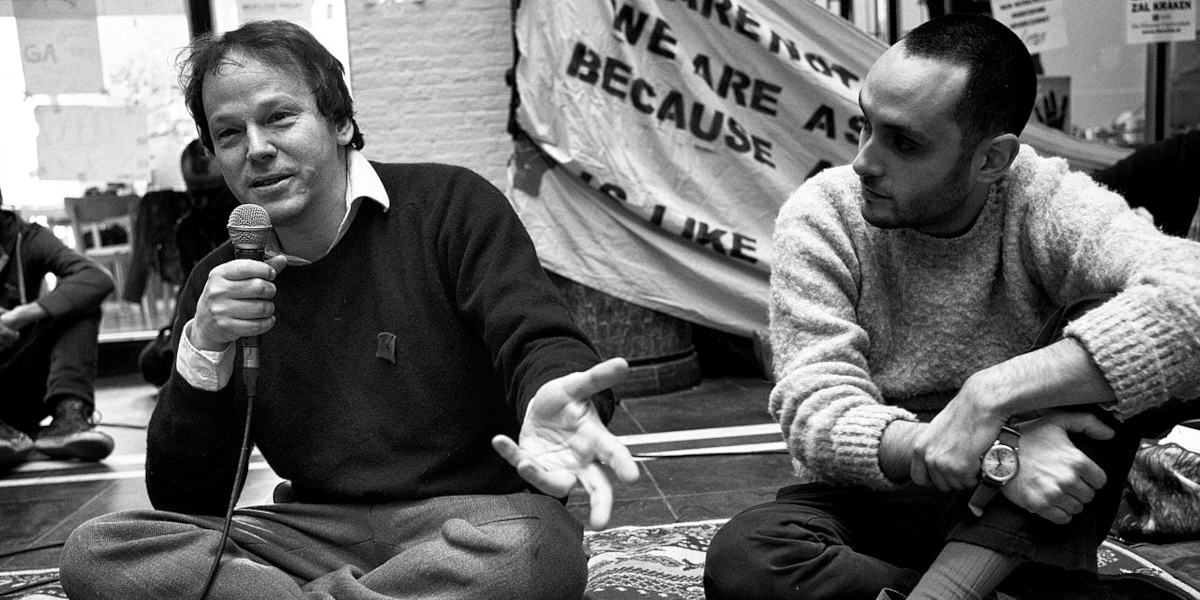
<point x="1000" y="463"/>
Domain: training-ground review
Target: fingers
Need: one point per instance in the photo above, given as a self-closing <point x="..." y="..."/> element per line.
<point x="595" y="379"/>
<point x="559" y="482"/>
<point x="278" y="263"/>
<point x="556" y="482"/>
<point x="508" y="449"/>
<point x="1085" y="423"/>
<point x="613" y="453"/>
<point x="1055" y="515"/>
<point x="919" y="473"/>
<point x="1092" y="474"/>
<point x="600" y="494"/>
<point x="236" y="302"/>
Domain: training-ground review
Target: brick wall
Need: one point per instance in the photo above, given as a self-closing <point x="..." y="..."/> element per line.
<point x="428" y="80"/>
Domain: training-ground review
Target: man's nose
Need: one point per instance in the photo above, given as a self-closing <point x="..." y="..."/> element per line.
<point x="865" y="163"/>
<point x="259" y="146"/>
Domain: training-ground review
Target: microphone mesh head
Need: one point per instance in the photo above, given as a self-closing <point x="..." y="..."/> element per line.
<point x="249" y="226"/>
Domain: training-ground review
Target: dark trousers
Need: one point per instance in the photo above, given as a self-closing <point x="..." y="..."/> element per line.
<point x="825" y="541"/>
<point x="820" y="541"/>
<point x="54" y="359"/>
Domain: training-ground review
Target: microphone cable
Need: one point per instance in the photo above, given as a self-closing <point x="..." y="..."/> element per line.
<point x="239" y="480"/>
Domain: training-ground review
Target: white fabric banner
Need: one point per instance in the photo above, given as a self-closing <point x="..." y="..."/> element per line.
<point x="670" y="132"/>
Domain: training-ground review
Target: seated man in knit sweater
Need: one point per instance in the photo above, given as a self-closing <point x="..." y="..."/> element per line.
<point x="408" y="335"/>
<point x="908" y="293"/>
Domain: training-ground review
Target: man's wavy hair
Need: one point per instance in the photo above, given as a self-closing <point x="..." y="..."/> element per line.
<point x="1001" y="82"/>
<point x="280" y="44"/>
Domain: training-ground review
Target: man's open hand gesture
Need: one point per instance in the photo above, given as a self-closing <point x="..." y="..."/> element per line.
<point x="562" y="440"/>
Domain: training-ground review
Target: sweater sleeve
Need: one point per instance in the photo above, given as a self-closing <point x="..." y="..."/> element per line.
<point x="81" y="284"/>
<point x="1146" y="339"/>
<point x="500" y="286"/>
<point x="194" y="437"/>
<point x="829" y="410"/>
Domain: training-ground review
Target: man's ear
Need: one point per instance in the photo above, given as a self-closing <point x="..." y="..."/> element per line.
<point x="345" y="131"/>
<point x="998" y="154"/>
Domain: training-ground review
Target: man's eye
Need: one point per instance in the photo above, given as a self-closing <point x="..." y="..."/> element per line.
<point x="904" y="144"/>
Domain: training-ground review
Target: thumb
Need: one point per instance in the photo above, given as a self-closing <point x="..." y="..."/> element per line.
<point x="277" y="262"/>
<point x="1085" y="423"/>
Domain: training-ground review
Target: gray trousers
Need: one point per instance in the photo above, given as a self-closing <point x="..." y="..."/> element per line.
<point x="514" y="546"/>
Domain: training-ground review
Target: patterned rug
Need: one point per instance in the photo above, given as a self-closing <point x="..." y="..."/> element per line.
<point x="37" y="584"/>
<point x="666" y="562"/>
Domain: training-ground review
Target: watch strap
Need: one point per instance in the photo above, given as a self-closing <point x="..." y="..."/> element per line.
<point x="1009" y="437"/>
<point x="982" y="495"/>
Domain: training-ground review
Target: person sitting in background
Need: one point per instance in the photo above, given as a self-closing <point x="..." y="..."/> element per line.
<point x="943" y="447"/>
<point x="200" y="229"/>
<point x="48" y="345"/>
<point x="203" y="227"/>
<point x="408" y="336"/>
<point x="1161" y="177"/>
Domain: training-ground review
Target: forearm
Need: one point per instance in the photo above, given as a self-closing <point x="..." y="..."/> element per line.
<point x="25" y="314"/>
<point x="1061" y="374"/>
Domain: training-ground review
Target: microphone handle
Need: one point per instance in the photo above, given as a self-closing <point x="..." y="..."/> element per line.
<point x="249" y="343"/>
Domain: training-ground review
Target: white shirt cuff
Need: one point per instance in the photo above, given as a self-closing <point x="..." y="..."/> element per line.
<point x="207" y="370"/>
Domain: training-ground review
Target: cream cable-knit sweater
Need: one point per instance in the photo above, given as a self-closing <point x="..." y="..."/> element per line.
<point x="861" y="314"/>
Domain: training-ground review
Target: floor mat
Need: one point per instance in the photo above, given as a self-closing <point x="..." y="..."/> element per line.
<point x="36" y="584"/>
<point x="664" y="562"/>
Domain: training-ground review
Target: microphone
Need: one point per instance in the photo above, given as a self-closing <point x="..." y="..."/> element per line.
<point x="249" y="229"/>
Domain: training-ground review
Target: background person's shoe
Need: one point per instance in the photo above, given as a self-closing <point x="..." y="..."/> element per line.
<point x="72" y="434"/>
<point x="14" y="445"/>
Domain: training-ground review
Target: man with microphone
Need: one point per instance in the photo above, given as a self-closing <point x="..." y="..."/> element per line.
<point x="406" y="336"/>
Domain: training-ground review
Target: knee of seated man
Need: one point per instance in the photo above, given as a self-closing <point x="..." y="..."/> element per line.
<point x="85" y="560"/>
<point x="734" y="566"/>
<point x="521" y="557"/>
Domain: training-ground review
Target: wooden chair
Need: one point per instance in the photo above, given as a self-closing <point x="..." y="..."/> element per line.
<point x="103" y="227"/>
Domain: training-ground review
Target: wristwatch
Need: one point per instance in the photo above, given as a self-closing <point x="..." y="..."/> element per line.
<point x="997" y="467"/>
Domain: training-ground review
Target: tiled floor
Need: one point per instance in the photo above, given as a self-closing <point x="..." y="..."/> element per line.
<point x="704" y="453"/>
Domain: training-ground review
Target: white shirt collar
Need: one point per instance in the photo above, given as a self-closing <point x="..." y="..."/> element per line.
<point x="361" y="182"/>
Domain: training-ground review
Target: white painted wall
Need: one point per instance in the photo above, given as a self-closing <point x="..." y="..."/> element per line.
<point x="428" y="81"/>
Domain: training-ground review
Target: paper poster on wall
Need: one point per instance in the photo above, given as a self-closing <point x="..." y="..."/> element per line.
<point x="1039" y="23"/>
<point x="60" y="46"/>
<point x="1151" y="21"/>
<point x="92" y="143"/>
<point x="296" y="11"/>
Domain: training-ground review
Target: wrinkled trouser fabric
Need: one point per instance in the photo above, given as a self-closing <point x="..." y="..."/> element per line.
<point x="513" y="546"/>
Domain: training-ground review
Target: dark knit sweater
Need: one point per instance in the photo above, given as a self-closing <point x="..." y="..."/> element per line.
<point x="478" y="328"/>
<point x="81" y="284"/>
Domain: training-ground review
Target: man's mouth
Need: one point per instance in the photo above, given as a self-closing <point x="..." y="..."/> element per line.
<point x="871" y="194"/>
<point x="262" y="182"/>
